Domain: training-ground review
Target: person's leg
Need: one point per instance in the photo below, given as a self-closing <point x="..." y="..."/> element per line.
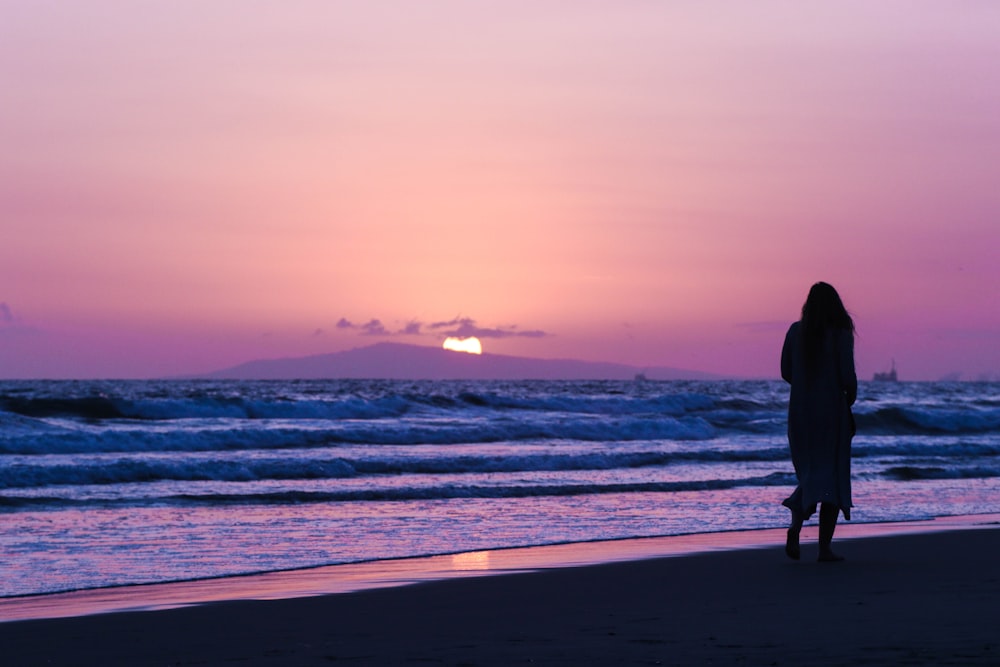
<point x="827" y="524"/>
<point x="792" y="541"/>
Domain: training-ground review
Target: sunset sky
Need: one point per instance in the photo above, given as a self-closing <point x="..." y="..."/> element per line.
<point x="188" y="185"/>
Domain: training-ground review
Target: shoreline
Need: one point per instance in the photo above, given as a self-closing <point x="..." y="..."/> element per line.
<point x="927" y="596"/>
<point x="327" y="580"/>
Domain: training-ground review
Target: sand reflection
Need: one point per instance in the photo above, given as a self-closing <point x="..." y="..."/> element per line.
<point x="473" y="560"/>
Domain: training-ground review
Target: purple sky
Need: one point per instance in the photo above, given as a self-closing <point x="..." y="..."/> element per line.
<point x="185" y="186"/>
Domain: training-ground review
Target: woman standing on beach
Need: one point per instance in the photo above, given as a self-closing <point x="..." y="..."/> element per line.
<point x="818" y="361"/>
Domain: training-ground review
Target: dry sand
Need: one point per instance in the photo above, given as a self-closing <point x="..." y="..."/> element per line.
<point x="915" y="599"/>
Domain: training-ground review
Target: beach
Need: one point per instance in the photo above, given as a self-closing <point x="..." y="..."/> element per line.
<point x="918" y="596"/>
<point x="485" y="523"/>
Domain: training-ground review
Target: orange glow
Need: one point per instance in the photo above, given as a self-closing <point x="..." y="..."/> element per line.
<point x="474" y="560"/>
<point x="470" y="345"/>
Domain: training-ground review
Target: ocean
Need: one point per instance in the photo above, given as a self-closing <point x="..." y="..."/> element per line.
<point x="107" y="483"/>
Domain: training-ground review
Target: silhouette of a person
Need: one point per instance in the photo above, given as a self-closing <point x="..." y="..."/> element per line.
<point x="817" y="360"/>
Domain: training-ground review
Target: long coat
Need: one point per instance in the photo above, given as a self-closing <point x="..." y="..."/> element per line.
<point x="820" y="424"/>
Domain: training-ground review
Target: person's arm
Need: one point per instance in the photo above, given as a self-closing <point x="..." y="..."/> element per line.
<point x="848" y="376"/>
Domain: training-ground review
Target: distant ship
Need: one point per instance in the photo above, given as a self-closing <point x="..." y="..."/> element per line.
<point x="889" y="376"/>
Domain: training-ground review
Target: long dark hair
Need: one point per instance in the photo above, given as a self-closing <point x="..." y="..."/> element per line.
<point x="822" y="312"/>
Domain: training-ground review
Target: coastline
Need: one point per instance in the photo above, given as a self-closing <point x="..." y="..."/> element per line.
<point x="391" y="573"/>
<point x="927" y="596"/>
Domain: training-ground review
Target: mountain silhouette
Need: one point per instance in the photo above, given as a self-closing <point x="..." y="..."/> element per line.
<point x="397" y="361"/>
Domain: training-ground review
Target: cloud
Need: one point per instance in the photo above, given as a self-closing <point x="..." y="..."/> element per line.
<point x="411" y="329"/>
<point x="373" y="327"/>
<point x="449" y="323"/>
<point x="459" y="327"/>
<point x="464" y="327"/>
<point x="12" y="327"/>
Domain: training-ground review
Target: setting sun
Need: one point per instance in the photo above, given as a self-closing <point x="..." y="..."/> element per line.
<point x="470" y="345"/>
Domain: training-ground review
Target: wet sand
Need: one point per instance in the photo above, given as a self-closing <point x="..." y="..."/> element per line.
<point x="926" y="597"/>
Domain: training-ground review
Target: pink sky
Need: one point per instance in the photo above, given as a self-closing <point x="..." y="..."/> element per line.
<point x="186" y="186"/>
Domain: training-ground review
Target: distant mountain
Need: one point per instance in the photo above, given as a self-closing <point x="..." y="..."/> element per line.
<point x="396" y="361"/>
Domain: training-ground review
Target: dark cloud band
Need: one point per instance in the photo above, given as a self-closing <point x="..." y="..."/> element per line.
<point x="459" y="327"/>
